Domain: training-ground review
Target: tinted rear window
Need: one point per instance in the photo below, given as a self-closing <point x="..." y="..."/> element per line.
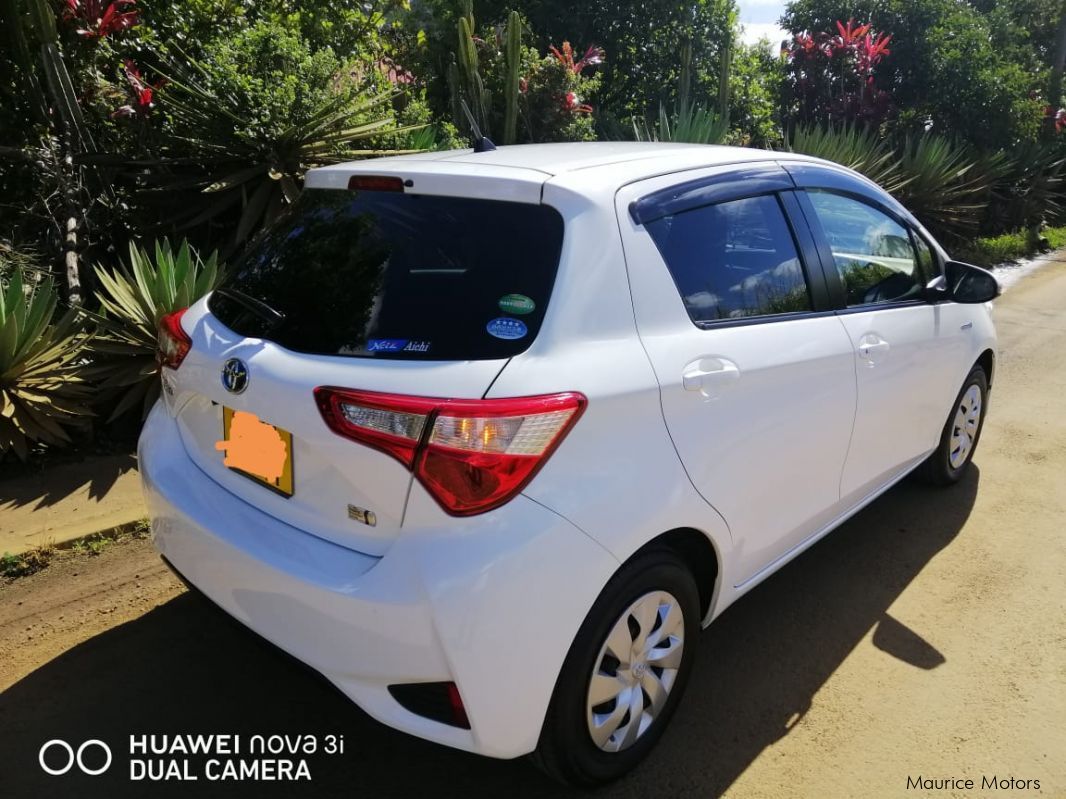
<point x="395" y="275"/>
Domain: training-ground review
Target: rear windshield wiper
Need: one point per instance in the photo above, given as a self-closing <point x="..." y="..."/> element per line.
<point x="272" y="317"/>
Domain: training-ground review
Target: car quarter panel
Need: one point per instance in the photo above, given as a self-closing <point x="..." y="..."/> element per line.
<point x="632" y="487"/>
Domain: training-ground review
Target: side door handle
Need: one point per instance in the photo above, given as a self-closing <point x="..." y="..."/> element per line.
<point x="710" y="375"/>
<point x="872" y="348"/>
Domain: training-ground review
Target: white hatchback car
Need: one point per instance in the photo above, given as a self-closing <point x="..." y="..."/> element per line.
<point x="487" y="437"/>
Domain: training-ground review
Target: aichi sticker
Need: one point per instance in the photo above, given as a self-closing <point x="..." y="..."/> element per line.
<point x="517" y="304"/>
<point x="507" y="328"/>
<point x="386" y="344"/>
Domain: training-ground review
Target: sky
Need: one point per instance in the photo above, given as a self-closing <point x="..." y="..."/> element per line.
<point x="759" y="18"/>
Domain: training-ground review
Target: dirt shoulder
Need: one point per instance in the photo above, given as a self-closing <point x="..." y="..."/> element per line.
<point x="925" y="638"/>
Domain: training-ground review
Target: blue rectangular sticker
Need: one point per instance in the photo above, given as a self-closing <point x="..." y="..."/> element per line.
<point x="385" y="344"/>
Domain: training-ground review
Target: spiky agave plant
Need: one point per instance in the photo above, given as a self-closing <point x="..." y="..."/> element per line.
<point x="132" y="301"/>
<point x="854" y="147"/>
<point x="948" y="185"/>
<point x="43" y="386"/>
<point x="692" y="124"/>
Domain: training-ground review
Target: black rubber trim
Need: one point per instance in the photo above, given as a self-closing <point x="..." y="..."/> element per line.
<point x="744" y="321"/>
<point x="732" y="185"/>
<point x="808" y="251"/>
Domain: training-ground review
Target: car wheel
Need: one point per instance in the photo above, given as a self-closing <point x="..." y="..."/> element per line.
<point x="958" y="442"/>
<point x="624" y="674"/>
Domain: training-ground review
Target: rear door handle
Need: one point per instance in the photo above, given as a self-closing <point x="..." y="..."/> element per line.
<point x="710" y="376"/>
<point x="872" y="348"/>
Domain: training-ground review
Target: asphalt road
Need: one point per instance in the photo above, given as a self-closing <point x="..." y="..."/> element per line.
<point x="925" y="638"/>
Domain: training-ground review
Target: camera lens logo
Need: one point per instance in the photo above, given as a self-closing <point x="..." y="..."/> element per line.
<point x="70" y="758"/>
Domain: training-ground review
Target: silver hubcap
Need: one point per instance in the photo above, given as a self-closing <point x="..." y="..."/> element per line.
<point x="635" y="670"/>
<point x="964" y="428"/>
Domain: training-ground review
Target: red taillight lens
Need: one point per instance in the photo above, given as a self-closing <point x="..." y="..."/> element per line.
<point x="471" y="455"/>
<point x="174" y="342"/>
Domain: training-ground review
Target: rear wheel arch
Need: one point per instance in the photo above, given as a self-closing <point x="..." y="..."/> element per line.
<point x="698" y="552"/>
<point x="987" y="361"/>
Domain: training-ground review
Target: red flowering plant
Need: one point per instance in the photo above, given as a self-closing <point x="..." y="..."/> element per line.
<point x="141" y="94"/>
<point x="833" y="76"/>
<point x="571" y="101"/>
<point x="555" y="89"/>
<point x="97" y="20"/>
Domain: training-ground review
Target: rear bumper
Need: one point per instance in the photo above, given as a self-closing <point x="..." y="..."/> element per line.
<point x="491" y="603"/>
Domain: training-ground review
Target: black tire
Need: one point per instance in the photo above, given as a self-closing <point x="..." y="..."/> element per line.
<point x="566" y="750"/>
<point x="937" y="468"/>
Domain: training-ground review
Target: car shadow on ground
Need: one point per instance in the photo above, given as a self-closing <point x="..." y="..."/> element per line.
<point x="186" y="668"/>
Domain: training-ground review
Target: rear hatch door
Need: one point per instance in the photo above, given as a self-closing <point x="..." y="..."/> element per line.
<point x="381" y="291"/>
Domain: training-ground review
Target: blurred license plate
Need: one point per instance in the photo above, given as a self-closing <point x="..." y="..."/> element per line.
<point x="258" y="450"/>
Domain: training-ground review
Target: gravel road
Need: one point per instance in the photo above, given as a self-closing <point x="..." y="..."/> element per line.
<point x="926" y="638"/>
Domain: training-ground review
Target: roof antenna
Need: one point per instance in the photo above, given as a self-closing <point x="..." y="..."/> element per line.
<point x="482" y="144"/>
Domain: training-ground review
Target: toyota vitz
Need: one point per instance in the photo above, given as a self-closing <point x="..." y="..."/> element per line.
<point x="487" y="437"/>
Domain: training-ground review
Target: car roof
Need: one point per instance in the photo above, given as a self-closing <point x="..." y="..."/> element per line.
<point x="640" y="159"/>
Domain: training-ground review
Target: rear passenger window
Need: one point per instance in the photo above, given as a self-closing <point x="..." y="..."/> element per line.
<point x="872" y="252"/>
<point x="733" y="260"/>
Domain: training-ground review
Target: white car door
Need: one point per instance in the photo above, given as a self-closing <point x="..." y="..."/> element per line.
<point x="756" y="373"/>
<point x="907" y="349"/>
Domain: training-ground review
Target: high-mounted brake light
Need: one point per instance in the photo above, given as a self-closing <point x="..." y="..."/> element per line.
<point x="375" y="183"/>
<point x="471" y="455"/>
<point x="173" y="342"/>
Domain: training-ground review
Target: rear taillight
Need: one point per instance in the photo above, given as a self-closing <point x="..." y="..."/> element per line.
<point x="471" y="455"/>
<point x="174" y="342"/>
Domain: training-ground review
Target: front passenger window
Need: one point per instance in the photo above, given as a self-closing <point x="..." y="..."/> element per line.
<point x="872" y="252"/>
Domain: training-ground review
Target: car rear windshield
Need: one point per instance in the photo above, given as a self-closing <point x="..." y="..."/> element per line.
<point x="376" y="274"/>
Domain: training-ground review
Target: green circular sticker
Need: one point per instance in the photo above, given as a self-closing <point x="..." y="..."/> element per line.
<point x="516" y="304"/>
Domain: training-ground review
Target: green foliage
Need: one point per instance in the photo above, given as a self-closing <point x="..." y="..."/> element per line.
<point x="512" y="58"/>
<point x="1030" y="190"/>
<point x="347" y="26"/>
<point x="947" y="185"/>
<point x="693" y="124"/>
<point x="550" y="92"/>
<point x="853" y="147"/>
<point x="43" y="389"/>
<point x="754" y="81"/>
<point x="27" y="563"/>
<point x="1056" y="236"/>
<point x="990" y="251"/>
<point x="643" y="41"/>
<point x="132" y="301"/>
<point x="946" y="69"/>
<point x="243" y="125"/>
<point x="24" y="263"/>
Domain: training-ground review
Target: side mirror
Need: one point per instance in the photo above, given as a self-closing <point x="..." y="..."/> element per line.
<point x="966" y="283"/>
